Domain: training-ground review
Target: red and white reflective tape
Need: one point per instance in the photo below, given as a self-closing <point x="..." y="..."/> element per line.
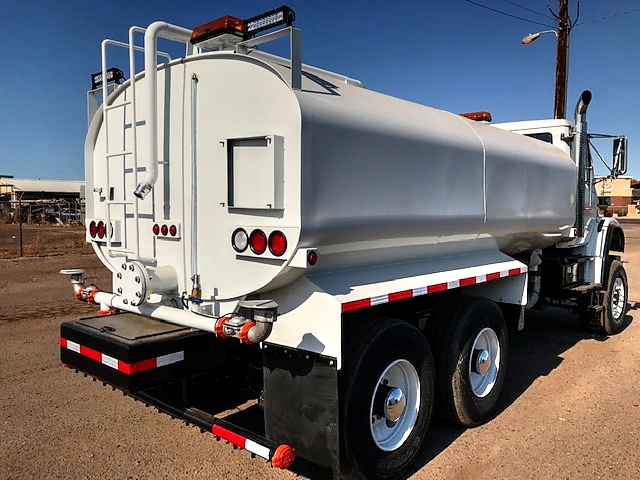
<point x="242" y="442"/>
<point x="438" y="287"/>
<point x="281" y="456"/>
<point x="127" y="368"/>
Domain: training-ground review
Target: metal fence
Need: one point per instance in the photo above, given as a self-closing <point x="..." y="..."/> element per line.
<point x="41" y="228"/>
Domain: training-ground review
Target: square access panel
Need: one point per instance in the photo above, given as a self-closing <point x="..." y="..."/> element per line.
<point x="256" y="172"/>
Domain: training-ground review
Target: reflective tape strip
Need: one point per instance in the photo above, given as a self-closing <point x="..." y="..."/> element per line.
<point x="110" y="361"/>
<point x="229" y="436"/>
<point x="380" y="299"/>
<point x="242" y="442"/>
<point x="439" y="287"/>
<point x="127" y="368"/>
<point x="258" y="449"/>
<point x="169" y="359"/>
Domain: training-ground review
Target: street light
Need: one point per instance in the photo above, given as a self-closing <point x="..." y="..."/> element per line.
<point x="562" y="54"/>
<point x="534" y="36"/>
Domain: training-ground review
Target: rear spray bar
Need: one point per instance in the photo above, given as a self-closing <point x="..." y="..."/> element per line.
<point x="279" y="455"/>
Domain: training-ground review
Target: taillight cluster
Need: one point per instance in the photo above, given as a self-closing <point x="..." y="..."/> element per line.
<point x="165" y="230"/>
<point x="258" y="242"/>
<point x="99" y="229"/>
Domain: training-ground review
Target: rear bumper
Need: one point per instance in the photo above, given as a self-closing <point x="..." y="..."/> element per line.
<point x="161" y="365"/>
<point x="132" y="352"/>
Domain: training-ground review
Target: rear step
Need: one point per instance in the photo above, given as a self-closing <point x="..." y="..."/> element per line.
<point x="142" y="356"/>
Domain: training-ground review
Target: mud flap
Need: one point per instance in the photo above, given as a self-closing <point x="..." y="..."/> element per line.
<point x="301" y="404"/>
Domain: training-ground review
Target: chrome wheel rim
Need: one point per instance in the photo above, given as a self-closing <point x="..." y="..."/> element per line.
<point x="395" y="405"/>
<point x="618" y="298"/>
<point x="484" y="363"/>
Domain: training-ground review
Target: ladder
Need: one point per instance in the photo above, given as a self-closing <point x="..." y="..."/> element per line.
<point x="129" y="201"/>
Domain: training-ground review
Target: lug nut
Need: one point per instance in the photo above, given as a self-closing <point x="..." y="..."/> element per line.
<point x="119" y="289"/>
<point x="137" y="279"/>
<point x="119" y="275"/>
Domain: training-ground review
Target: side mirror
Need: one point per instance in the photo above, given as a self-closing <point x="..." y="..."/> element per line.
<point x="619" y="156"/>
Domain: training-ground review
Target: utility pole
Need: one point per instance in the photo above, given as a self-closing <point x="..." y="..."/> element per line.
<point x="562" y="60"/>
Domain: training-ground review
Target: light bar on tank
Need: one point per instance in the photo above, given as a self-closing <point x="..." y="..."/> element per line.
<point x="114" y="75"/>
<point x="477" y="116"/>
<point x="273" y="18"/>
<point x="218" y="33"/>
<point x="228" y="31"/>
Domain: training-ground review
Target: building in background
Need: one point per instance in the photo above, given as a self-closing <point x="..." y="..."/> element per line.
<point x="617" y="193"/>
<point x="29" y="190"/>
<point x="29" y="200"/>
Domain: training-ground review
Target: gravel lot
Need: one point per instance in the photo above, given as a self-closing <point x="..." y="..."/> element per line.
<point x="570" y="408"/>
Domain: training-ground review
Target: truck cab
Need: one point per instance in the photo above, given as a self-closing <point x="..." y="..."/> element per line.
<point x="557" y="132"/>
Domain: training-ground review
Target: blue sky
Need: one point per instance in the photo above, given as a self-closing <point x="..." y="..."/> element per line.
<point x="449" y="54"/>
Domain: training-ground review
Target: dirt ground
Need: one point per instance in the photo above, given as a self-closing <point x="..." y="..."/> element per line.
<point x="570" y="408"/>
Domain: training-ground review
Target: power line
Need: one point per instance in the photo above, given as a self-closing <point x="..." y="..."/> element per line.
<point x="609" y="17"/>
<point x="527" y="9"/>
<point x="509" y="15"/>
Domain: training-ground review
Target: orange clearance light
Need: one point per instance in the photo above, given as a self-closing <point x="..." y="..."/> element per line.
<point x="478" y="116"/>
<point x="226" y="25"/>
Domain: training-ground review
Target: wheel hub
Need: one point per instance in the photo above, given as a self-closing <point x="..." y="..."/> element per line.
<point x="482" y="362"/>
<point x="618" y="299"/>
<point x="394" y="404"/>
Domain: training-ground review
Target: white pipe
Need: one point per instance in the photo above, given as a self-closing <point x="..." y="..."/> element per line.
<point x="159" y="312"/>
<point x="155" y="30"/>
<point x="194" y="183"/>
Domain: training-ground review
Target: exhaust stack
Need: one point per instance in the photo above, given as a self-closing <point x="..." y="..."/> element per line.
<point x="581" y="149"/>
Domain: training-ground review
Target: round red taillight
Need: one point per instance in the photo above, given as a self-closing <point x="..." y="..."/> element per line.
<point x="277" y="243"/>
<point x="156" y="229"/>
<point x="164" y="230"/>
<point x="101" y="230"/>
<point x="173" y="230"/>
<point x="239" y="240"/>
<point x="258" y="242"/>
<point x="312" y="258"/>
<point x="93" y="229"/>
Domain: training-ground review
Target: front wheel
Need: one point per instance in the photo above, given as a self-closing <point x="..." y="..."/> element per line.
<point x="386" y="396"/>
<point x="615" y="299"/>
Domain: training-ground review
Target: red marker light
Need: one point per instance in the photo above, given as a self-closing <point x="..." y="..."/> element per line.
<point x="156" y="229"/>
<point x="173" y="230"/>
<point x="93" y="229"/>
<point x="312" y="258"/>
<point x="101" y="230"/>
<point x="164" y="230"/>
<point x="258" y="242"/>
<point x="277" y="243"/>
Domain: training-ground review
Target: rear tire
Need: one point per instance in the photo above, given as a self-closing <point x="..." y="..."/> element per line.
<point x="468" y="338"/>
<point x="386" y="396"/>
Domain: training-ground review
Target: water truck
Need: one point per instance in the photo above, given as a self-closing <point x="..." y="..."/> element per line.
<point x="343" y="260"/>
